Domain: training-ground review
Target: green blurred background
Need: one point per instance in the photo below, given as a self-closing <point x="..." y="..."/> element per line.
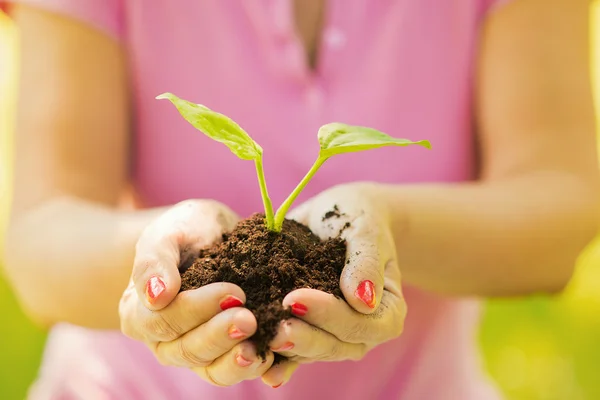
<point x="537" y="348"/>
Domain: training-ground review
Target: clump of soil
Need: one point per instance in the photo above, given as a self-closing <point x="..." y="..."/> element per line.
<point x="267" y="266"/>
<point x="333" y="213"/>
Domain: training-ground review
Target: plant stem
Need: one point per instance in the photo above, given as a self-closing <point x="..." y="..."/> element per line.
<point x="282" y="211"/>
<point x="264" y="193"/>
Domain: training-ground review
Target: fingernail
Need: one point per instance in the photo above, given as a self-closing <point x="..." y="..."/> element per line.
<point x="285" y="347"/>
<point x="230" y="302"/>
<point x="366" y="292"/>
<point x="241" y="361"/>
<point x="154" y="287"/>
<point x="299" y="309"/>
<point x="235" y="333"/>
<point x="287" y="374"/>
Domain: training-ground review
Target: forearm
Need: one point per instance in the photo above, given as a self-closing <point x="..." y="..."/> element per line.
<point x="69" y="260"/>
<point x="501" y="238"/>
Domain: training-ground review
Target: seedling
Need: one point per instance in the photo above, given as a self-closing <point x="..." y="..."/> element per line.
<point x="334" y="138"/>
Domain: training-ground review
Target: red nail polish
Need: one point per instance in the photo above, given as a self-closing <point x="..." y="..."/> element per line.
<point x="276" y="386"/>
<point x="241" y="361"/>
<point x="285" y="347"/>
<point x="299" y="309"/>
<point x="230" y="302"/>
<point x="154" y="287"/>
<point x="366" y="292"/>
<point x="235" y="333"/>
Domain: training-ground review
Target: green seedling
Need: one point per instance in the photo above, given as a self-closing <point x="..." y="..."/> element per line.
<point x="334" y="138"/>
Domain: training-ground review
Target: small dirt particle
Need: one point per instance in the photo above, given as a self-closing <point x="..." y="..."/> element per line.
<point x="333" y="213"/>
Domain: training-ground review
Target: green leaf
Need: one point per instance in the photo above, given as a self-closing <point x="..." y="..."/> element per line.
<point x="337" y="138"/>
<point x="217" y="127"/>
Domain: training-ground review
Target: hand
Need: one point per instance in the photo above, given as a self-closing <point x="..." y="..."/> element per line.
<point x="330" y="329"/>
<point x="202" y="329"/>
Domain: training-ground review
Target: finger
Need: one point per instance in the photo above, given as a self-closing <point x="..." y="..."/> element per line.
<point x="204" y="344"/>
<point x="296" y="338"/>
<point x="362" y="278"/>
<point x="335" y="316"/>
<point x="185" y="228"/>
<point x="239" y="364"/>
<point x="189" y="310"/>
<point x="279" y="374"/>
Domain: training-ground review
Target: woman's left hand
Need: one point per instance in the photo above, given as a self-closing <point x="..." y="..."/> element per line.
<point x="331" y="329"/>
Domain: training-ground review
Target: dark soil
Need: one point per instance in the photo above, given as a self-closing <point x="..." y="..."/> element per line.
<point x="267" y="266"/>
<point x="333" y="213"/>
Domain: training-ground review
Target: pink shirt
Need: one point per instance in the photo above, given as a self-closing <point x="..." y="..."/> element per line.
<point x="404" y="67"/>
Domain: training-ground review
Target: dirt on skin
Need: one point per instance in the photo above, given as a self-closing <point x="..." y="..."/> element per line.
<point x="267" y="266"/>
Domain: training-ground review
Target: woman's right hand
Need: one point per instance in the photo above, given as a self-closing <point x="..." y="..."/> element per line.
<point x="203" y="329"/>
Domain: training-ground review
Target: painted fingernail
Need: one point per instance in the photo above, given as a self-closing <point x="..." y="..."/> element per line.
<point x="241" y="361"/>
<point x="230" y="302"/>
<point x="276" y="386"/>
<point x="154" y="287"/>
<point x="299" y="309"/>
<point x="366" y="292"/>
<point x="285" y="347"/>
<point x="235" y="333"/>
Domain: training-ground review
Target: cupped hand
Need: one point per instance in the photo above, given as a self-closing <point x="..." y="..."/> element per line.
<point x="205" y="329"/>
<point x="331" y="329"/>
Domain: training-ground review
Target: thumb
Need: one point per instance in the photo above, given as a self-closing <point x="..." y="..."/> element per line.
<point x="184" y="229"/>
<point x="155" y="269"/>
<point x="362" y="279"/>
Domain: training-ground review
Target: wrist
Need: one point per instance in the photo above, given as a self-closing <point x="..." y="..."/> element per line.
<point x="385" y="202"/>
<point x="391" y="200"/>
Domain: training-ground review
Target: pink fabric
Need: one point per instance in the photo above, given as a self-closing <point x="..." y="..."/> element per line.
<point x="405" y="67"/>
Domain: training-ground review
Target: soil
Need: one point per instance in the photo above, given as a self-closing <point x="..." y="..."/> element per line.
<point x="267" y="266"/>
<point x="333" y="213"/>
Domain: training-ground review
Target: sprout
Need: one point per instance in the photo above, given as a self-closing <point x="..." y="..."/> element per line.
<point x="334" y="138"/>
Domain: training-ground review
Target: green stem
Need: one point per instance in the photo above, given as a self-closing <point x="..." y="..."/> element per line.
<point x="282" y="211"/>
<point x="264" y="193"/>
